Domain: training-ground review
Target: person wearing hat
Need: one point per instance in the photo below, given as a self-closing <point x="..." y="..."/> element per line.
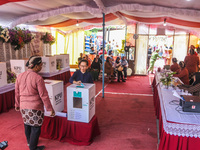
<point x="175" y="66"/>
<point x="153" y="59"/>
<point x="30" y="98"/>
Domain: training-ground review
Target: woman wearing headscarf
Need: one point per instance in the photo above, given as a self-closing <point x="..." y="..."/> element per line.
<point x="108" y="67"/>
<point x="175" y="66"/>
<point x="183" y="73"/>
<point x="119" y="68"/>
<point x="30" y="98"/>
<point x="194" y="89"/>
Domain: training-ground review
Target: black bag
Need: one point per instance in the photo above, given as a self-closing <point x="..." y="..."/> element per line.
<point x="3" y="145"/>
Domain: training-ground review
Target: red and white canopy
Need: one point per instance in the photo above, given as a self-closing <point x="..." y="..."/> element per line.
<point x="64" y="14"/>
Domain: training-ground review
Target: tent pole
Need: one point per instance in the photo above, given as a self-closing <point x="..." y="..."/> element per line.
<point x="103" y="54"/>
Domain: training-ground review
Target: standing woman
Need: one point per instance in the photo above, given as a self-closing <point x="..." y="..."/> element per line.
<point x="119" y="69"/>
<point x="30" y="98"/>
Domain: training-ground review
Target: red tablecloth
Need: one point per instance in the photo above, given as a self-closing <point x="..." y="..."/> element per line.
<point x="172" y="142"/>
<point x="7" y="101"/>
<point x="63" y="76"/>
<point x="77" y="133"/>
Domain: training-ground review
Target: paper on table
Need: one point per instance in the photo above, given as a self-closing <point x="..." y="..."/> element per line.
<point x="177" y="95"/>
<point x="60" y="114"/>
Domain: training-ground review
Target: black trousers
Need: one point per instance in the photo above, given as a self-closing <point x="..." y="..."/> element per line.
<point x="32" y="136"/>
<point x="125" y="72"/>
<point x="119" y="74"/>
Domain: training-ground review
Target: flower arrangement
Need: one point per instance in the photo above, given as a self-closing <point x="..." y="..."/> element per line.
<point x="27" y="36"/>
<point x="19" y="37"/>
<point x="167" y="78"/>
<point x="48" y="38"/>
<point x="11" y="76"/>
<point x="16" y="38"/>
<point x="4" y="34"/>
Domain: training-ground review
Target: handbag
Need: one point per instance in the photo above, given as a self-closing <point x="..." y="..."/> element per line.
<point x="120" y="68"/>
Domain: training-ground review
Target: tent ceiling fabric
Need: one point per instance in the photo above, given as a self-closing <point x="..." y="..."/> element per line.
<point x="89" y="12"/>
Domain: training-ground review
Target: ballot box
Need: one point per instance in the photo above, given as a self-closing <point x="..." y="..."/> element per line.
<point x="18" y="65"/>
<point x="3" y="74"/>
<point x="49" y="64"/>
<point x="56" y="94"/>
<point x="63" y="60"/>
<point x="81" y="102"/>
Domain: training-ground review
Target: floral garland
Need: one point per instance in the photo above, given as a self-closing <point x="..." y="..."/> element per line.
<point x="4" y="34"/>
<point x="11" y="76"/>
<point x="48" y="38"/>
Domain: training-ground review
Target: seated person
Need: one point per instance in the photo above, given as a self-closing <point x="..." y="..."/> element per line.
<point x="194" y="89"/>
<point x="175" y="66"/>
<point x="125" y="66"/>
<point x="109" y="70"/>
<point x="118" y="66"/>
<point x="89" y="60"/>
<point x="92" y="51"/>
<point x="95" y="69"/>
<point x="182" y="73"/>
<point x="81" y="75"/>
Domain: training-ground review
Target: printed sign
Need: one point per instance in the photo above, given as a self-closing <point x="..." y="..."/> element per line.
<point x="17" y="69"/>
<point x="52" y="63"/>
<point x="91" y="103"/>
<point x="58" y="98"/>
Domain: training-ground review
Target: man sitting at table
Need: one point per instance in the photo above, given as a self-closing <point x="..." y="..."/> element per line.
<point x="81" y="75"/>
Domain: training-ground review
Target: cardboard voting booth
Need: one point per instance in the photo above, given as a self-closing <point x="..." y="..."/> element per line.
<point x="56" y="94"/>
<point x="63" y="60"/>
<point x="49" y="64"/>
<point x="18" y="65"/>
<point x="3" y="74"/>
<point x="81" y="102"/>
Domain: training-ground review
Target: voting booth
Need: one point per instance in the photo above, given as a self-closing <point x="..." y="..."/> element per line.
<point x="3" y="74"/>
<point x="56" y="94"/>
<point x="81" y="102"/>
<point x="49" y="64"/>
<point x="18" y="65"/>
<point x="63" y="60"/>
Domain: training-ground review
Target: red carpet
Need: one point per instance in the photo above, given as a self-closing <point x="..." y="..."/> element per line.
<point x="127" y="122"/>
<point x="133" y="85"/>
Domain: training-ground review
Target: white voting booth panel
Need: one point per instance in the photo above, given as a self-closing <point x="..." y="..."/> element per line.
<point x="18" y="65"/>
<point x="81" y="103"/>
<point x="63" y="59"/>
<point x="56" y="94"/>
<point x="3" y="74"/>
<point x="49" y="64"/>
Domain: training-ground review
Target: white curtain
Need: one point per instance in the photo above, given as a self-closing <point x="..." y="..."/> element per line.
<point x="180" y="47"/>
<point x="141" y="55"/>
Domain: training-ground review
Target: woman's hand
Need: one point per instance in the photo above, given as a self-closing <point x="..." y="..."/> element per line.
<point x="77" y="82"/>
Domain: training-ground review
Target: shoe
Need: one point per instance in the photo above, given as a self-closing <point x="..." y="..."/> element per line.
<point x="40" y="147"/>
<point x="123" y="80"/>
<point x="118" y="80"/>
